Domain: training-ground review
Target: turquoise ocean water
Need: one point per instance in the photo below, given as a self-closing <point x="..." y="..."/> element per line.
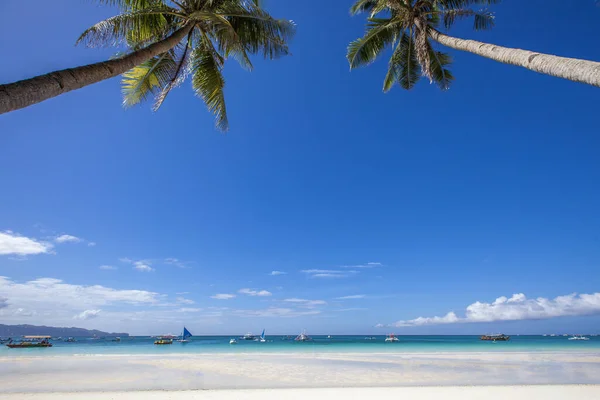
<point x="320" y="344"/>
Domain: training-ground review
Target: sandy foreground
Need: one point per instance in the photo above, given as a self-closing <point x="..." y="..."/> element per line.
<point x="204" y="375"/>
<point x="578" y="392"/>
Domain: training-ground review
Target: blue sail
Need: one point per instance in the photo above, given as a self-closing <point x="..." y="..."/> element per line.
<point x="262" y="336"/>
<point x="186" y="333"/>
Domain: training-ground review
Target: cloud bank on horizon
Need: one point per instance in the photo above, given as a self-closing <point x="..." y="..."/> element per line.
<point x="516" y="308"/>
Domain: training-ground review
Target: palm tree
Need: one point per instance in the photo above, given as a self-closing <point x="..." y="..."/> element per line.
<point x="167" y="41"/>
<point x="410" y="25"/>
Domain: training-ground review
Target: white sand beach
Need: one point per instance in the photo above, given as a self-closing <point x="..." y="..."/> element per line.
<point x="578" y="392"/>
<point x="242" y="371"/>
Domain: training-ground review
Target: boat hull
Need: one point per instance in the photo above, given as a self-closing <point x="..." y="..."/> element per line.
<point x="28" y="346"/>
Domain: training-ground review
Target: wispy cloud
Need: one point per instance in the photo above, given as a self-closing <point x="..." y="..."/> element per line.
<point x="364" y="266"/>
<point x="107" y="267"/>
<point x="223" y="296"/>
<point x="139" y="265"/>
<point x="516" y="308"/>
<point x="91" y="244"/>
<point x="88" y="314"/>
<point x="188" y="310"/>
<point x="251" y="292"/>
<point x="328" y="273"/>
<point x="275" y="273"/>
<point x="177" y="262"/>
<point x="350" y="309"/>
<point x="67" y="239"/>
<point x="306" y="303"/>
<point x="183" y="300"/>
<point x="352" y="297"/>
<point x="14" y="244"/>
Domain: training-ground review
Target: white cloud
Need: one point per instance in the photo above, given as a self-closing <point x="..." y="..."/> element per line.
<point x="107" y="267"/>
<point x="328" y="273"/>
<point x="142" y="266"/>
<point x="176" y="262"/>
<point x="352" y="297"/>
<point x="52" y="302"/>
<point x="183" y="300"/>
<point x="88" y="314"/>
<point x="13" y="243"/>
<point x="364" y="266"/>
<point x="517" y="308"/>
<point x="188" y="310"/>
<point x="139" y="265"/>
<point x="306" y="303"/>
<point x="91" y="244"/>
<point x="250" y="292"/>
<point x="275" y="273"/>
<point x="182" y="293"/>
<point x="273" y="312"/>
<point x="67" y="239"/>
<point x="351" y="309"/>
<point x="223" y="296"/>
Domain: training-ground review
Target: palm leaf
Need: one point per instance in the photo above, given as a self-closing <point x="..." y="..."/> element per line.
<point x="380" y="33"/>
<point x="147" y="78"/>
<point x="403" y="67"/>
<point x="208" y="82"/>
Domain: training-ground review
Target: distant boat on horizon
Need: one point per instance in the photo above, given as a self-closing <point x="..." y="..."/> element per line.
<point x="248" y="336"/>
<point x="185" y="335"/>
<point x="303" y="337"/>
<point x="578" y="337"/>
<point x="391" y="338"/>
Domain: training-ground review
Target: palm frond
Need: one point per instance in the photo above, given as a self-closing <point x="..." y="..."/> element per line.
<point x="208" y="82"/>
<point x="178" y="76"/>
<point x="147" y="78"/>
<point x="459" y="4"/>
<point x="380" y="33"/>
<point x="482" y="19"/>
<point x="403" y="67"/>
<point x="135" y="26"/>
<point x="257" y="30"/>
<point x="439" y="73"/>
<point x="131" y="5"/>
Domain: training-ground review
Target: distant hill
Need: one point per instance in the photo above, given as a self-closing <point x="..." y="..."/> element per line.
<point x="20" y="330"/>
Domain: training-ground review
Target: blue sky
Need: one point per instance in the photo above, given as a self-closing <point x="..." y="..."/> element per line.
<point x="487" y="190"/>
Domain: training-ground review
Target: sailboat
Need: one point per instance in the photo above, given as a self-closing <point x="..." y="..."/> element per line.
<point x="262" y="337"/>
<point x="185" y="335"/>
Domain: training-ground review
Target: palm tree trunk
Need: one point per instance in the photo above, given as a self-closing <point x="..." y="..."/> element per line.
<point x="568" y="68"/>
<point x="21" y="94"/>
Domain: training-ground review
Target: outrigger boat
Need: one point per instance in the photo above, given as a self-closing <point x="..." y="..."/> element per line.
<point x="185" y="335"/>
<point x="303" y="337"/>
<point x="31" y="342"/>
<point x="167" y="339"/>
<point x="391" y="338"/>
<point x="496" y="338"/>
<point x="578" y="337"/>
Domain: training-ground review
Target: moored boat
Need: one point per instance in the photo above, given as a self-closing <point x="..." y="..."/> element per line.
<point x="162" y="340"/>
<point x="495" y="338"/>
<point x="31" y="342"/>
<point x="248" y="336"/>
<point x="303" y="337"/>
<point x="578" y="337"/>
<point x="185" y="335"/>
<point x="391" y="338"/>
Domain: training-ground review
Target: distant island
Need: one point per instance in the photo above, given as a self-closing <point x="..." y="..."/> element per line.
<point x="21" y="330"/>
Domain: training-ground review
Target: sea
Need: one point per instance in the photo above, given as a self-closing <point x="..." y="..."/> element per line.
<point x="142" y="345"/>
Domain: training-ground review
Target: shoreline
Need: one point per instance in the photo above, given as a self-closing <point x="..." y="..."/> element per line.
<point x="514" y="392"/>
